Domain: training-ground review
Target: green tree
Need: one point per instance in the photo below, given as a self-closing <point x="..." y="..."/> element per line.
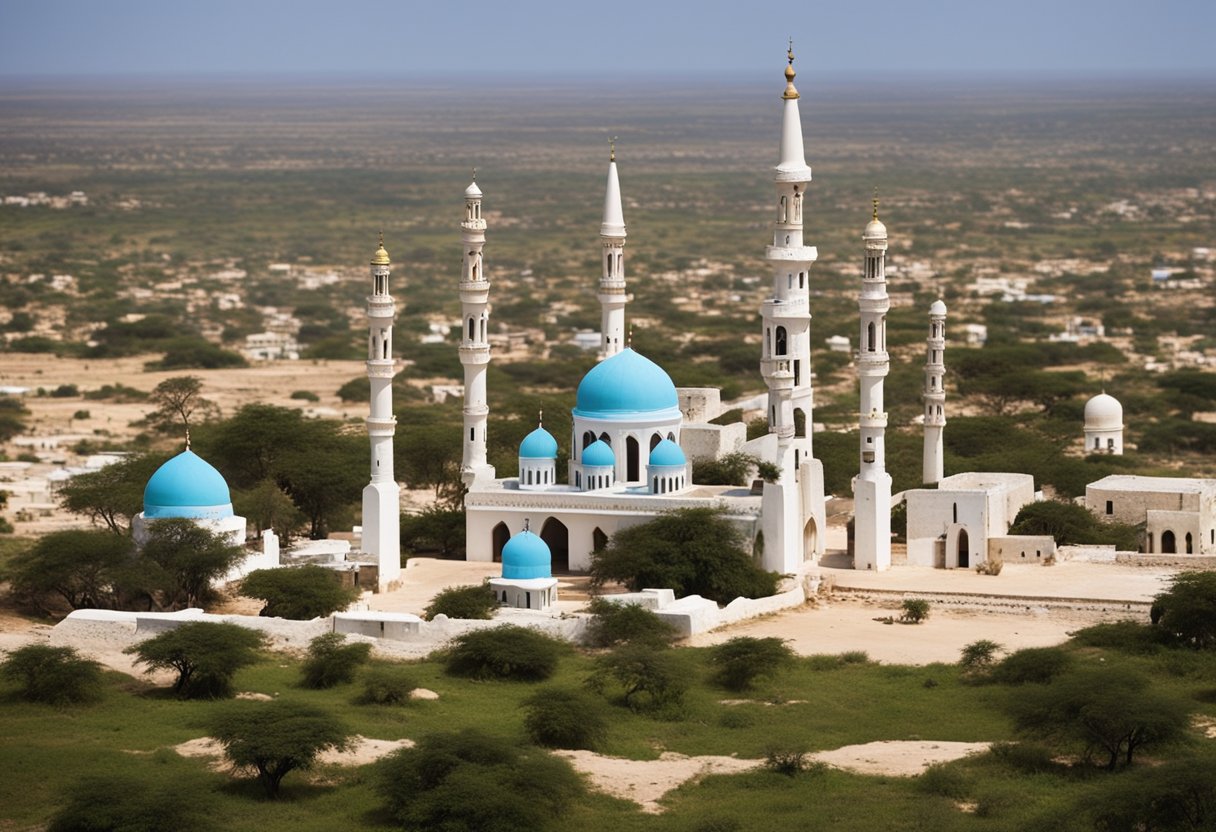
<point x="386" y="685"/>
<point x="331" y="661"/>
<point x="612" y="624"/>
<point x="650" y="679"/>
<point x="204" y="654"/>
<point x="53" y="675"/>
<point x="111" y="495"/>
<point x="562" y="718"/>
<point x="125" y="803"/>
<point x="1179" y="794"/>
<point x="249" y="446"/>
<point x="195" y="353"/>
<point x="1110" y="712"/>
<point x="323" y="473"/>
<point x="176" y="400"/>
<point x="1032" y="665"/>
<point x="508" y="652"/>
<point x="189" y="558"/>
<point x="84" y="567"/>
<point x="737" y="664"/>
<point x="436" y="529"/>
<point x="299" y="592"/>
<point x="1069" y="523"/>
<point x="915" y="610"/>
<point x="1187" y="610"/>
<point x="475" y="601"/>
<point x="731" y="469"/>
<point x="431" y="459"/>
<point x="277" y="738"/>
<point x="692" y="551"/>
<point x="267" y="507"/>
<point x="979" y="656"/>
<point x="473" y="782"/>
<point x="12" y="417"/>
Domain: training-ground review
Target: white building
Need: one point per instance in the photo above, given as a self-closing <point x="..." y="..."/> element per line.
<point x="965" y="521"/>
<point x="1104" y="425"/>
<point x="1179" y="514"/>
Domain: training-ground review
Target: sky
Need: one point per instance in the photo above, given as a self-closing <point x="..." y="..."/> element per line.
<point x="578" y="38"/>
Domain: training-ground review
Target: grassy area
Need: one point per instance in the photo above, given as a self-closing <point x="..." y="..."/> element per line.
<point x="45" y="750"/>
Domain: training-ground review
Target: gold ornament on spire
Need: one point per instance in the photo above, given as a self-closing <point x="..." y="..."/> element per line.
<point x="380" y="258"/>
<point x="876" y="203"/>
<point x="629" y="338"/>
<point x="612" y="149"/>
<point x="791" y="92"/>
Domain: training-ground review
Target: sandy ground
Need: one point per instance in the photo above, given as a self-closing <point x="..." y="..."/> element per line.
<point x="361" y="751"/>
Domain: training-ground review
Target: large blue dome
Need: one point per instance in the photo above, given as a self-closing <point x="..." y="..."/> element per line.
<point x="599" y="454"/>
<point x="625" y="386"/>
<point x="187" y="486"/>
<point x="525" y="557"/>
<point x="539" y="444"/>
<point x="667" y="453"/>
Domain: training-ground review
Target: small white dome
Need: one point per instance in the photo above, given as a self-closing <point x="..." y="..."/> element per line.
<point x="1103" y="412"/>
<point x="874" y="230"/>
<point x="938" y="308"/>
<point x="472" y="192"/>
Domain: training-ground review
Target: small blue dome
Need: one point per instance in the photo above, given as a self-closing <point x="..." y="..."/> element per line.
<point x="539" y="444"/>
<point x="667" y="453"/>
<point x="625" y="385"/>
<point x="599" y="453"/>
<point x="187" y="486"/>
<point x="525" y="557"/>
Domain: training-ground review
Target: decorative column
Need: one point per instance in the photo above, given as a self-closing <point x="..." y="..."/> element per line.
<point x="935" y="394"/>
<point x="474" y="345"/>
<point x="612" y="278"/>
<point x="381" y="496"/>
<point x="872" y="488"/>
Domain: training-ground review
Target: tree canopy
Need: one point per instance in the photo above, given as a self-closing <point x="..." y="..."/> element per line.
<point x="299" y="592"/>
<point x="1187" y="610"/>
<point x="277" y="738"/>
<point x="113" y="494"/>
<point x="205" y="655"/>
<point x="1068" y="523"/>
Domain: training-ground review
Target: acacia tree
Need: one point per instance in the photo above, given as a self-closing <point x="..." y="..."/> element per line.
<point x="277" y="738"/>
<point x="111" y="495"/>
<point x="1187" y="610"/>
<point x="187" y="559"/>
<point x="176" y="400"/>
<point x="204" y="654"/>
<point x="300" y="593"/>
<point x="87" y="568"/>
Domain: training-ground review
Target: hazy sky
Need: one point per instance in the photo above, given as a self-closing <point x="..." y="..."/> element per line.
<point x="563" y="39"/>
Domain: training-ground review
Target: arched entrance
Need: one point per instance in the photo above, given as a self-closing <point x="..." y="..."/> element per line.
<point x="1169" y="546"/>
<point x="557" y="536"/>
<point x="599" y="540"/>
<point x="799" y="422"/>
<point x="964" y="555"/>
<point x="810" y="539"/>
<point x="499" y="537"/>
<point x="632" y="468"/>
<point x="1190" y="544"/>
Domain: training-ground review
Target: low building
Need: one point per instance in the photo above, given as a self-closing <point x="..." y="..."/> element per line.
<point x="1178" y="513"/>
<point x="965" y="520"/>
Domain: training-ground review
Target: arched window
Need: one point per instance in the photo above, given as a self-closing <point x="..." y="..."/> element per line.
<point x="470" y="329"/>
<point x="475" y="270"/>
<point x="781" y="210"/>
<point x="955" y="510"/>
<point x="1190" y="546"/>
<point x="607" y="439"/>
<point x="588" y="438"/>
<point x="797" y="206"/>
<point x="870" y="337"/>
<point x="1169" y="545"/>
<point x="801" y="280"/>
<point x="655" y="440"/>
<point x="620" y="264"/>
<point x="781" y="341"/>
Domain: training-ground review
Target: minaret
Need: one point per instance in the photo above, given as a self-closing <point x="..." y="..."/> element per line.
<point x="872" y="488"/>
<point x="381" y="497"/>
<point x="786" y="353"/>
<point x="474" y="346"/>
<point x="612" y="279"/>
<point x="935" y="394"/>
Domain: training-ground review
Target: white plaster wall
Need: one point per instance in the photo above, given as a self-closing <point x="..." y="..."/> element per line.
<point x="1021" y="548"/>
<point x="931" y="514"/>
<point x="701" y="441"/>
<point x="699" y="404"/>
<point x="1181" y="523"/>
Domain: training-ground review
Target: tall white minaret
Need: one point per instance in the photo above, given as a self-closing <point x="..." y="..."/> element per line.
<point x="381" y="497"/>
<point x="474" y="344"/>
<point x="872" y="487"/>
<point x="612" y="279"/>
<point x="786" y="353"/>
<point x="935" y="393"/>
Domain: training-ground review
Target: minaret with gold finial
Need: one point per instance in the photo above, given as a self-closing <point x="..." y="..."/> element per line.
<point x="612" y="278"/>
<point x="381" y="497"/>
<point x="786" y="352"/>
<point x="474" y="342"/>
<point x="872" y="487"/>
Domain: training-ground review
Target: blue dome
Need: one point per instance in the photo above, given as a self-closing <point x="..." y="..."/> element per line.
<point x="525" y="557"/>
<point x="599" y="453"/>
<point x="667" y="453"/>
<point x="539" y="444"/>
<point x="625" y="385"/>
<point x="187" y="486"/>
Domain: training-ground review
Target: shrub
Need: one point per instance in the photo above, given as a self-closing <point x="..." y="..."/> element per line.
<point x="785" y="761"/>
<point x="915" y="610"/>
<point x="1033" y="665"/>
<point x="1124" y="637"/>
<point x="825" y="661"/>
<point x="54" y="675"/>
<point x="277" y="738"/>
<point x="1024" y="757"/>
<point x="944" y="780"/>
<point x="122" y="803"/>
<point x="650" y="679"/>
<point x="299" y="592"/>
<point x="1187" y="610"/>
<point x="992" y="566"/>
<point x="979" y="656"/>
<point x="557" y="718"/>
<point x="386" y="685"/>
<point x="612" y="624"/>
<point x="473" y="601"/>
<point x="205" y="655"/>
<point x="738" y="663"/>
<point x="451" y="782"/>
<point x="305" y="396"/>
<point x="331" y="661"/>
<point x="507" y="652"/>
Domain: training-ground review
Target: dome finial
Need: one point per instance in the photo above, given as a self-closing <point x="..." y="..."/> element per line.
<point x="612" y="149"/>
<point x="629" y="337"/>
<point x="526" y="524"/>
<point x="380" y="258"/>
<point x="540" y="418"/>
<point x="875" y="202"/>
<point x="187" y="437"/>
<point x="791" y="91"/>
<point x="474" y="173"/>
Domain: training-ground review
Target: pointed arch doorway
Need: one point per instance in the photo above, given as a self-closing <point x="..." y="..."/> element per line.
<point x="557" y="536"/>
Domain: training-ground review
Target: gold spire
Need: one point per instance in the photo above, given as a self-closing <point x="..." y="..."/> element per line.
<point x="629" y="338"/>
<point x="187" y="437"/>
<point x="380" y="258"/>
<point x="790" y="91"/>
<point x="876" y="203"/>
<point x="612" y="149"/>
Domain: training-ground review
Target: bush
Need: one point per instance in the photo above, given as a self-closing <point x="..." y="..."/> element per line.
<point x="915" y="610"/>
<point x="1034" y="665"/>
<point x="205" y="655"/>
<point x="331" y="661"/>
<point x="650" y="679"/>
<point x="738" y="663"/>
<point x="386" y="685"/>
<point x="507" y="652"/>
<point x="825" y="661"/>
<point x="944" y="780"/>
<point x="277" y="738"/>
<point x="786" y="761"/>
<point x="452" y="782"/>
<point x="731" y="469"/>
<point x="53" y="675"/>
<point x="1024" y="757"/>
<point x="475" y="601"/>
<point x="305" y="396"/>
<point x="113" y="803"/>
<point x="979" y="656"/>
<point x="557" y="718"/>
<point x="612" y="624"/>
<point x="300" y="593"/>
<point x="1187" y="610"/>
<point x="1069" y="523"/>
<point x="1124" y="637"/>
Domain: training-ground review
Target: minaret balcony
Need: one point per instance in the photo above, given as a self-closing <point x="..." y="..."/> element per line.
<point x="380" y="306"/>
<point x="476" y="286"/>
<point x="381" y="426"/>
<point x="381" y="368"/>
<point x="873" y="419"/>
<point x="791" y="254"/>
<point x="474" y="353"/>
<point x="473" y="225"/>
<point x="476" y="410"/>
<point x="870" y="360"/>
<point x="615" y="285"/>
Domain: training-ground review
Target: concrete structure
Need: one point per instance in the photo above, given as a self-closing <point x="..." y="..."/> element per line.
<point x="935" y="395"/>
<point x="1104" y="425"/>
<point x="872" y="485"/>
<point x="474" y="344"/>
<point x="612" y="276"/>
<point x="952" y="525"/>
<point x="381" y="496"/>
<point x="1179" y="514"/>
